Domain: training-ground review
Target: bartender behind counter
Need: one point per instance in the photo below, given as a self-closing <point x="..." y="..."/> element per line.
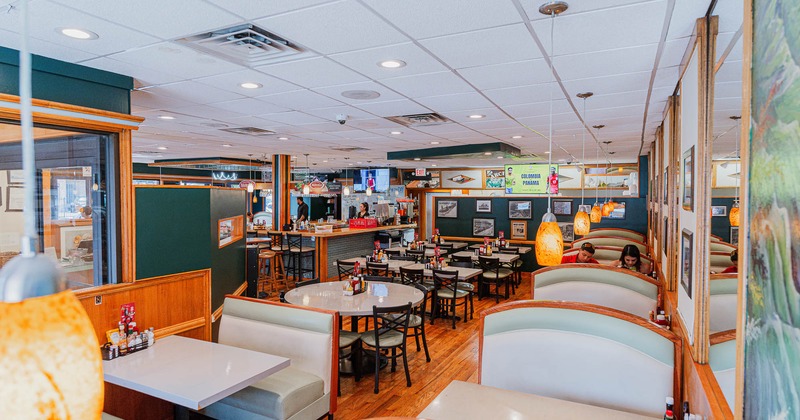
<point x="363" y="211"/>
<point x="302" y="210"/>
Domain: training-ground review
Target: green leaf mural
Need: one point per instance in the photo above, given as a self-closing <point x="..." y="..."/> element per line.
<point x="772" y="330"/>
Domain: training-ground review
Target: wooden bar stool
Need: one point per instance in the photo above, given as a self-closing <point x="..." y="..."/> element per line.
<point x="268" y="261"/>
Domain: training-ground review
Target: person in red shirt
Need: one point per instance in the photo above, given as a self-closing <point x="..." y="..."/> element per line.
<point x="735" y="260"/>
<point x="552" y="181"/>
<point x="582" y="256"/>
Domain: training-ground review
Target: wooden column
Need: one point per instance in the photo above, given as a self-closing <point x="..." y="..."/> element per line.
<point x="281" y="179"/>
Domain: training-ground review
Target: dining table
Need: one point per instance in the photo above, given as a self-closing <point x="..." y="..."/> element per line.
<point x="455" y="245"/>
<point x="394" y="265"/>
<point x="330" y="296"/>
<point x="429" y="252"/>
<point x="503" y="258"/>
<point x="464" y="274"/>
<point x="520" y="249"/>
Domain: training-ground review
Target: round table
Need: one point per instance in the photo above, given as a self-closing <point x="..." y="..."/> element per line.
<point x="329" y="296"/>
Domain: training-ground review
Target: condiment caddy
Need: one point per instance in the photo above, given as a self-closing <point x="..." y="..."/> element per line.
<point x="126" y="338"/>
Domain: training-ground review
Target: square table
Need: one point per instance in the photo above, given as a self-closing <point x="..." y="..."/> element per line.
<point x="429" y="252"/>
<point x="191" y="373"/>
<point x="520" y="249"/>
<point x="503" y="258"/>
<point x="464" y="274"/>
<point x="456" y="245"/>
<point x="394" y="265"/>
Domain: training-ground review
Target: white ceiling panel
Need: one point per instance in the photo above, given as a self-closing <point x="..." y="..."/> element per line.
<point x="731" y="15"/>
<point x="205" y="111"/>
<point x="47" y="49"/>
<point x="250" y="10"/>
<point x="393" y="108"/>
<point x="430" y="84"/>
<point x="489" y="114"/>
<point x="175" y="59"/>
<point x="731" y="71"/>
<point x="532" y="8"/>
<point x="606" y="63"/>
<point x="366" y="61"/>
<point x="674" y="51"/>
<point x="313" y="72"/>
<point x="232" y="81"/>
<point x="293" y="118"/>
<point x="667" y="77"/>
<point x="144" y="76"/>
<point x="684" y="15"/>
<point x="523" y="94"/>
<point x="248" y="106"/>
<point x="195" y="92"/>
<point x="299" y="100"/>
<point x="506" y="75"/>
<point x="612" y="100"/>
<point x="609" y="84"/>
<point x="457" y="102"/>
<point x="386" y="94"/>
<point x="337" y="27"/>
<point x="330" y="113"/>
<point x="538" y="109"/>
<point x="489" y="46"/>
<point x="151" y="100"/>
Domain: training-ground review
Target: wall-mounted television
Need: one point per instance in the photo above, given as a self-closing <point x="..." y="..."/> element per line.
<point x="377" y="179"/>
<point x="531" y="178"/>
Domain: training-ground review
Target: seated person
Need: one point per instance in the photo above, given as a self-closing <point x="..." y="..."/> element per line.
<point x="735" y="260"/>
<point x="631" y="259"/>
<point x="583" y="256"/>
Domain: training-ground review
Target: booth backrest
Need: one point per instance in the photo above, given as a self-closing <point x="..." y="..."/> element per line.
<point x="722" y="360"/>
<point x="620" y="233"/>
<point x="612" y="287"/>
<point x="309" y="337"/>
<point x="581" y="353"/>
<point x="721" y="247"/>
<point x="719" y="261"/>
<point x="611" y="241"/>
<point x="722" y="302"/>
<point x="607" y="254"/>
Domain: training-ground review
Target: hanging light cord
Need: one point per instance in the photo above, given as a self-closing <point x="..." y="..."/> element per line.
<point x="550" y="132"/>
<point x="26" y="120"/>
<point x="583" y="147"/>
<point x="596" y="159"/>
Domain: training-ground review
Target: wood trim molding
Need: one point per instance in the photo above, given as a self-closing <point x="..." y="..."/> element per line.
<point x="217" y="314"/>
<point x="107" y="120"/>
<point x="721" y="337"/>
<point x="138" y="284"/>
<point x="180" y="327"/>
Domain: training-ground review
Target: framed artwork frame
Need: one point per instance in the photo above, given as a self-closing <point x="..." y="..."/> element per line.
<point x="230" y="230"/>
<point x="665" y="181"/>
<point x="567" y="231"/>
<point x="518" y="209"/>
<point x="618" y="212"/>
<point x="483" y="226"/>
<point x="719" y="211"/>
<point x="665" y="232"/>
<point x="15" y="198"/>
<point x="519" y="229"/>
<point x="483" y="206"/>
<point x="687" y="252"/>
<point x="734" y="238"/>
<point x="562" y="207"/>
<point x="494" y="179"/>
<point x="72" y="236"/>
<point x="688" y="179"/>
<point x="447" y="209"/>
<point x="15" y="176"/>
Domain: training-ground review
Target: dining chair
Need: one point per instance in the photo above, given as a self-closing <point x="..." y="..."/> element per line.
<point x="412" y="276"/>
<point x="461" y="258"/>
<point x="390" y="333"/>
<point x="392" y="253"/>
<point x="419" y="254"/>
<point x="493" y="273"/>
<point x="417" y="321"/>
<point x="446" y="294"/>
<point x="466" y="285"/>
<point x="403" y="257"/>
<point x="345" y="269"/>
<point x="349" y="348"/>
<point x="515" y="266"/>
<point x="297" y="252"/>
<point x="377" y="269"/>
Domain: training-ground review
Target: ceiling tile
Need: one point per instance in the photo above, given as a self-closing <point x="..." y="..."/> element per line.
<point x="248" y="106"/>
<point x="44" y="48"/>
<point x="232" y="81"/>
<point x="457" y="102"/>
<point x="336" y="92"/>
<point x="299" y="100"/>
<point x="393" y="108"/>
<point x="330" y="113"/>
<point x="424" y="19"/>
<point x="175" y="59"/>
<point x="673" y="52"/>
<point x="667" y="77"/>
<point x="429" y="84"/>
<point x="366" y="61"/>
<point x="606" y="63"/>
<point x="194" y="92"/>
<point x="489" y="46"/>
<point x="143" y="75"/>
<point x="205" y="111"/>
<point x="251" y="10"/>
<point x="684" y="15"/>
<point x="532" y="8"/>
<point x="523" y="94"/>
<point x="538" y="109"/>
<point x="609" y="84"/>
<point x="488" y="113"/>
<point x="293" y="118"/>
<point x="313" y="72"/>
<point x="329" y="34"/>
<point x="504" y="75"/>
<point x="153" y="101"/>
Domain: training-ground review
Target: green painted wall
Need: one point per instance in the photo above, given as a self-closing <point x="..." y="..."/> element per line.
<point x="68" y="83"/>
<point x="721" y="226"/>
<point x="228" y="263"/>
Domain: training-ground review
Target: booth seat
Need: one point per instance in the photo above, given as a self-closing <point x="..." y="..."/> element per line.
<point x="721" y="247"/>
<point x="612" y="287"/>
<point x="309" y="337"/>
<point x="607" y="254"/>
<point x="722" y="360"/>
<point x="581" y="353"/>
<point x="611" y="241"/>
<point x="617" y="232"/>
<point x="719" y="261"/>
<point x="722" y="302"/>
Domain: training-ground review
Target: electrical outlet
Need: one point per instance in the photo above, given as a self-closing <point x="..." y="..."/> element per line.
<point x="98" y="300"/>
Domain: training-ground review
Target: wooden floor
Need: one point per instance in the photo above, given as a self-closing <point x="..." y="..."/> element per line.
<point x="454" y="356"/>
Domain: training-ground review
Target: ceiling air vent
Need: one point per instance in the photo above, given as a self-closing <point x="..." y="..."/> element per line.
<point x="249" y="131"/>
<point x="245" y="44"/>
<point x="419" y="120"/>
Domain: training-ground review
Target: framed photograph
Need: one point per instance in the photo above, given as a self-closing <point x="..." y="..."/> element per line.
<point x="664" y="181"/>
<point x="15" y="176"/>
<point x="15" y="199"/>
<point x="72" y="237"/>
<point x="519" y="229"/>
<point x="447" y="209"/>
<point x="483" y="227"/>
<point x="665" y="232"/>
<point x="618" y="212"/>
<point x="567" y="231"/>
<point x="494" y="179"/>
<point x="562" y="207"/>
<point x="520" y="209"/>
<point x="230" y="230"/>
<point x="483" y="206"/>
<point x="719" y="211"/>
<point x="586" y="208"/>
<point x="686" y="261"/>
<point x="688" y="184"/>
<point x="735" y="235"/>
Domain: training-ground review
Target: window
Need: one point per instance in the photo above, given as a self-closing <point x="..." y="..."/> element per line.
<point x="77" y="201"/>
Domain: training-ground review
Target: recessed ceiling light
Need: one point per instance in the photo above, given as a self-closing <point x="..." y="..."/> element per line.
<point x="161" y="148"/>
<point x="358" y="163"/>
<point x="476" y="116"/>
<point x="227" y="145"/>
<point x="487" y="153"/>
<point x="499" y="157"/>
<point x="417" y="159"/>
<point x="251" y="85"/>
<point x="324" y="161"/>
<point x="434" y="142"/>
<point x="166" y="117"/>
<point x="361" y="94"/>
<point x="396" y="133"/>
<point x="547" y="152"/>
<point x="433" y="164"/>
<point x="392" y="64"/>
<point x="294" y="157"/>
<point x="350" y="164"/>
<point x="283" y="138"/>
<point x="516" y="137"/>
<point x="76" y="33"/>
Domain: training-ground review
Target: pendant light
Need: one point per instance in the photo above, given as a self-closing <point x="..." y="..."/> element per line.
<point x="250" y="184"/>
<point x="597" y="211"/>
<point x="549" y="242"/>
<point x="346" y="189"/>
<point x="306" y="187"/>
<point x="369" y="189"/>
<point x="582" y="221"/>
<point x="733" y="215"/>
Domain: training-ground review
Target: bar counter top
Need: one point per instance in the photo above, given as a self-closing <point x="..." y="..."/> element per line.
<point x="348" y="231"/>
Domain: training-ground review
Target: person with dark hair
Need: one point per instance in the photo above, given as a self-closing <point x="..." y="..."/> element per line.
<point x="631" y="259"/>
<point x="363" y="211"/>
<point x="302" y="210"/>
<point x="583" y="256"/>
<point x="735" y="260"/>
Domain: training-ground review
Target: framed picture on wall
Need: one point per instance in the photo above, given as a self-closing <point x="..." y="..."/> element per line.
<point x="15" y="198"/>
<point x="688" y="180"/>
<point x="483" y="206"/>
<point x="665" y="232"/>
<point x="719" y="211"/>
<point x="519" y="229"/>
<point x="735" y="235"/>
<point x="567" y="231"/>
<point x="483" y="227"/>
<point x="520" y="209"/>
<point x="562" y="207"/>
<point x="494" y="179"/>
<point x="15" y="176"/>
<point x="447" y="209"/>
<point x="686" y="261"/>
<point x="664" y="181"/>
<point x="618" y="212"/>
<point x="229" y="230"/>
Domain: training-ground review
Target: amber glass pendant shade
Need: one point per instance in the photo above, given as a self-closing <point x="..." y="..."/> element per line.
<point x="597" y="214"/>
<point x="582" y="223"/>
<point x="549" y="242"/>
<point x="733" y="216"/>
<point x="607" y="209"/>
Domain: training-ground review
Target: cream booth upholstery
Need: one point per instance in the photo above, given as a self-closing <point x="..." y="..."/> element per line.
<point x="721" y="247"/>
<point x="305" y="390"/>
<point x="611" y="241"/>
<point x="620" y="289"/>
<point x="722" y="302"/>
<point x="620" y="233"/>
<point x="719" y="261"/>
<point x="580" y="353"/>
<point x="607" y="254"/>
<point x="722" y="360"/>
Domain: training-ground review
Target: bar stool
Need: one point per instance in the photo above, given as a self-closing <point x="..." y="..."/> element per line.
<point x="266" y="275"/>
<point x="277" y="246"/>
<point x="296" y="253"/>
